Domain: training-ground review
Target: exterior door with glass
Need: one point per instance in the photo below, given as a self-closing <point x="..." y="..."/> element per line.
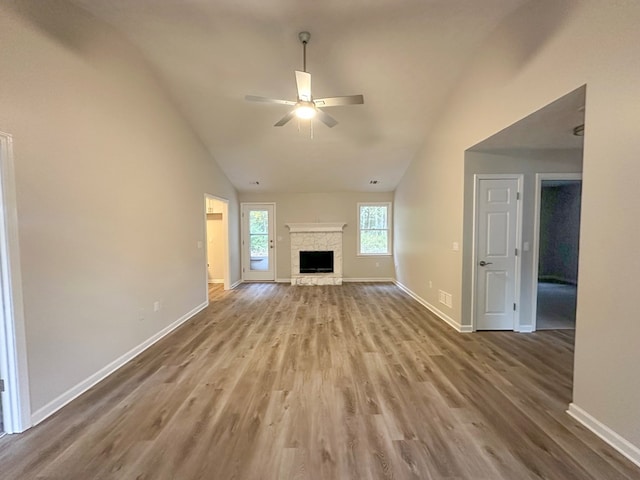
<point x="258" y="252"/>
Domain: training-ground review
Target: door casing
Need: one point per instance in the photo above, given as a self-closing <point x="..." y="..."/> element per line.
<point x="475" y="258"/>
<point x="13" y="351"/>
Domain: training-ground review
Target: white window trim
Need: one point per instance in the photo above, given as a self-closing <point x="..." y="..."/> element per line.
<point x="389" y="206"/>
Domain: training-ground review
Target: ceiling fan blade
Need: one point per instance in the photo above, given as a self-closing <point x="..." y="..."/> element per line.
<point x="325" y="118"/>
<point x="303" y="81"/>
<point x="337" y="101"/>
<point x="255" y="98"/>
<point x="286" y="118"/>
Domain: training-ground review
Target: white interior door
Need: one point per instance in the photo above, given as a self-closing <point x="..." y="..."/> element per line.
<point x="496" y="261"/>
<point x="258" y="252"/>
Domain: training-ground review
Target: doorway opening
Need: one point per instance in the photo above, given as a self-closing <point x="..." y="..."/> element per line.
<point x="217" y="244"/>
<point x="556" y="241"/>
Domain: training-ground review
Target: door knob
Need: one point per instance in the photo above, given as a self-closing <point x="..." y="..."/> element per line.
<point x="484" y="264"/>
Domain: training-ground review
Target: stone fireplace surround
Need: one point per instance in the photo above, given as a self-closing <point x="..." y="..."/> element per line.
<point x="316" y="237"/>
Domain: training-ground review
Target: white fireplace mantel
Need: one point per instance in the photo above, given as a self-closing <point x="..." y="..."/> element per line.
<point x="315" y="227"/>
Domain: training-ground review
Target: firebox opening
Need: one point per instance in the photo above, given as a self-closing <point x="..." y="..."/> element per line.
<point x="316" y="262"/>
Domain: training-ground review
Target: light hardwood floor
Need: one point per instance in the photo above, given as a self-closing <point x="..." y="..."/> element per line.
<point x="351" y="382"/>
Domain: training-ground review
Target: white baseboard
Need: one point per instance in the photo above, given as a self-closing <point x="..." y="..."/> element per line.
<point x="443" y="316"/>
<point x="525" y="329"/>
<point x="621" y="444"/>
<point x="369" y="279"/>
<point x="283" y="280"/>
<point x="216" y="280"/>
<point x="74" y="392"/>
<point x="234" y="285"/>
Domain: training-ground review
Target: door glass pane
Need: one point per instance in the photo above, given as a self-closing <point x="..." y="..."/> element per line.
<point x="259" y="240"/>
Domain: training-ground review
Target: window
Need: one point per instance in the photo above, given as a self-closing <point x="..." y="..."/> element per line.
<point x="374" y="228"/>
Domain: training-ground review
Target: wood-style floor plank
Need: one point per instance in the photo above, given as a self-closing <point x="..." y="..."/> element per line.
<point x="335" y="382"/>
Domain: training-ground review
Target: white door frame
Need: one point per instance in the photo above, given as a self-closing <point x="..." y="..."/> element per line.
<point x="225" y="243"/>
<point x="540" y="177"/>
<point x="243" y="253"/>
<point x="13" y="360"/>
<point x="474" y="253"/>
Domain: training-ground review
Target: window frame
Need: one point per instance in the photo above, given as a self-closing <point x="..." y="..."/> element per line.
<point x="389" y="229"/>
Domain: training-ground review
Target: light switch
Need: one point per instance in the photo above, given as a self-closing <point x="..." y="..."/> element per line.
<point x="199" y="243"/>
<point x="456" y="246"/>
<point x="525" y="246"/>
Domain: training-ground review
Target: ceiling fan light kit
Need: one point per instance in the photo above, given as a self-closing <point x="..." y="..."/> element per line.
<point x="305" y="110"/>
<point x="306" y="107"/>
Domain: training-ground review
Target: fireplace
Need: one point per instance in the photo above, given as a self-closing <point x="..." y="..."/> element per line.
<point x="322" y="241"/>
<point x="316" y="261"/>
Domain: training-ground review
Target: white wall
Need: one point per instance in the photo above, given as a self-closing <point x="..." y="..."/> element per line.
<point x="110" y="183"/>
<point x="325" y="207"/>
<point x="541" y="52"/>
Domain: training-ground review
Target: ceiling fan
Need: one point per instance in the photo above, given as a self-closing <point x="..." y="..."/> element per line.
<point x="307" y="107"/>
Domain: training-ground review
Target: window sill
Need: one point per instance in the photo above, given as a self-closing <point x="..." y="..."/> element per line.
<point x="365" y="255"/>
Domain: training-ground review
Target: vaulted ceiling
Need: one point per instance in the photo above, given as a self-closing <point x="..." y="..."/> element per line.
<point x="404" y="56"/>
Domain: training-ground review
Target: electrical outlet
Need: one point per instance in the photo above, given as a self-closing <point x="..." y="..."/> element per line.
<point x="430" y="284"/>
<point x="156" y="306"/>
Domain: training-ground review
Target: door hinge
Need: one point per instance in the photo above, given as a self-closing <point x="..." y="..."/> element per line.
<point x="514" y="307"/>
<point x="516" y="252"/>
<point x="517" y="195"/>
<point x="1" y="385"/>
<point x="243" y="270"/>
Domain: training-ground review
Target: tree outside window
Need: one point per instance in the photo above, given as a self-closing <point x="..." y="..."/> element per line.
<point x="374" y="234"/>
<point x="259" y="233"/>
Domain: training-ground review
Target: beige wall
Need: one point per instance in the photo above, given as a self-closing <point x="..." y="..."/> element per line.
<point x="110" y="186"/>
<point x="325" y="207"/>
<point x="541" y="52"/>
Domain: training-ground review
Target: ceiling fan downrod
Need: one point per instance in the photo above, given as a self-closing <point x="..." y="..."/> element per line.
<point x="304" y="38"/>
